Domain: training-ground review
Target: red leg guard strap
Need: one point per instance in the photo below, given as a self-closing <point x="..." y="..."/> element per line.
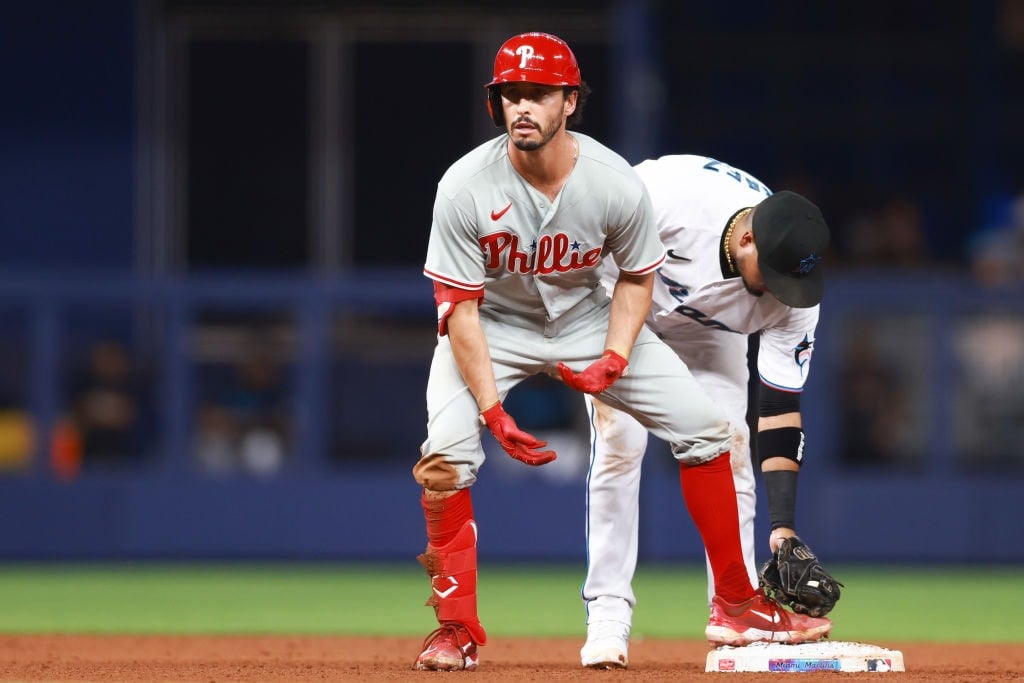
<point x="452" y="570"/>
<point x="445" y="517"/>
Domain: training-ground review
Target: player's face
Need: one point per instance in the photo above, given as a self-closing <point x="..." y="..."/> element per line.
<point x="754" y="282"/>
<point x="750" y="271"/>
<point x="534" y="113"/>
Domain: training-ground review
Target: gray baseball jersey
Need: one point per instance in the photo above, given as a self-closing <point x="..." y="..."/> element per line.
<point x="538" y="255"/>
<point x="540" y="265"/>
<point x="705" y="318"/>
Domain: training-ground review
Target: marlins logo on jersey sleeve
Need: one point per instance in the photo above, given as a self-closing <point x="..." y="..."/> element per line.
<point x="784" y="354"/>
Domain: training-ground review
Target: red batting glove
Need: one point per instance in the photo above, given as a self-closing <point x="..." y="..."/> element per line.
<point x="598" y="376"/>
<point x="516" y="442"/>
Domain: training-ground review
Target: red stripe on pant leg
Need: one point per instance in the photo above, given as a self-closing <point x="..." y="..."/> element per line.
<point x="710" y="495"/>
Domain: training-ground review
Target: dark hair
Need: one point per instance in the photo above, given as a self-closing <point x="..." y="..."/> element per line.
<point x="581" y="99"/>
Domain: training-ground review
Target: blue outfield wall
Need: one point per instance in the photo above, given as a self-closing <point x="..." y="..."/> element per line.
<point x="377" y="517"/>
<point x="936" y="510"/>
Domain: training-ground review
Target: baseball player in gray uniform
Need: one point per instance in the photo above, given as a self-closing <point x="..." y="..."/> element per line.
<point x="520" y="231"/>
<point x="740" y="260"/>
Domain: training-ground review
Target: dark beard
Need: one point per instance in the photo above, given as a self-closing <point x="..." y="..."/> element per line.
<point x="530" y="145"/>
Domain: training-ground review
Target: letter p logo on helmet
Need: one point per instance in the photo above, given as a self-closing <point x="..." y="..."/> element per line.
<point x="526" y="52"/>
<point x="536" y="58"/>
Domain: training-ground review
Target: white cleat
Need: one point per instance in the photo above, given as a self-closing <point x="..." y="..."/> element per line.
<point x="607" y="645"/>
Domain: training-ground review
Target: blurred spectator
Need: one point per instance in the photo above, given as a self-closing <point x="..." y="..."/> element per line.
<point x="1010" y="25"/>
<point x="873" y="405"/>
<point x="243" y="422"/>
<point x="17" y="431"/>
<point x="996" y="250"/>
<point x="990" y="389"/>
<point x="109" y="410"/>
<point x="893" y="235"/>
<point x="17" y="438"/>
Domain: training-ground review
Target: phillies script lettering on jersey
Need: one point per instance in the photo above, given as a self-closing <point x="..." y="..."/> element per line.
<point x="554" y="254"/>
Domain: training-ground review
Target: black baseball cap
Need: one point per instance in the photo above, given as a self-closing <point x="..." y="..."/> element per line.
<point x="791" y="237"/>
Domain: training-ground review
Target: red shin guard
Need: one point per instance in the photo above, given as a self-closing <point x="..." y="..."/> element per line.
<point x="710" y="495"/>
<point x="452" y="566"/>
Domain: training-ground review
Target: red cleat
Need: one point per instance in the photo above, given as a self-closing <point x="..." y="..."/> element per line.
<point x="760" y="619"/>
<point x="448" y="648"/>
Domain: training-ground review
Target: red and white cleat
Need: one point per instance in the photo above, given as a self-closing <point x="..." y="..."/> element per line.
<point x="761" y="619"/>
<point x="448" y="648"/>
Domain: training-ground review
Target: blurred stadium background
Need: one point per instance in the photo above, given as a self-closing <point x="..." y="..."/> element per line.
<point x="214" y="333"/>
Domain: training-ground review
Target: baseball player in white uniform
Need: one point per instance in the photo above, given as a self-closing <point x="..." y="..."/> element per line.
<point x="740" y="260"/>
<point x="520" y="231"/>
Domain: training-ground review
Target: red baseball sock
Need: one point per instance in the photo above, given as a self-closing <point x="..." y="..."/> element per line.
<point x="710" y="496"/>
<point x="445" y="516"/>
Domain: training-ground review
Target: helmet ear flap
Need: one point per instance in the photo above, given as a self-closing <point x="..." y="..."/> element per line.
<point x="494" y="107"/>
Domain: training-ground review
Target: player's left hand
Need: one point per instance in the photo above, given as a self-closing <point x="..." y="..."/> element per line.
<point x="598" y="376"/>
<point x="794" y="576"/>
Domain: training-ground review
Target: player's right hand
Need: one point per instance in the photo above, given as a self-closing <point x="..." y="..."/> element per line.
<point x="517" y="443"/>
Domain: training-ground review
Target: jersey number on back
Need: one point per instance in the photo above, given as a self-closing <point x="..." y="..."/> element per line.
<point x="738" y="176"/>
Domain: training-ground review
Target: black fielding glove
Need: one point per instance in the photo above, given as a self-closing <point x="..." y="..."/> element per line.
<point x="794" y="577"/>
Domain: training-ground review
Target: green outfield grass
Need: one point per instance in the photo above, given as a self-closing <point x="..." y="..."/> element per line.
<point x="878" y="604"/>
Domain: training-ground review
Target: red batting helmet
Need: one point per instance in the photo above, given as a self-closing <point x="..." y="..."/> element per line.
<point x="531" y="58"/>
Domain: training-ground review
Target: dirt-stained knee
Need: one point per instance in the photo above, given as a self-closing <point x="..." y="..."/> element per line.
<point x="434" y="474"/>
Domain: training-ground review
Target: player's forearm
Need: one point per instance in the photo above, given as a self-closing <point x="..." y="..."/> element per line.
<point x="469" y="347"/>
<point x="780" y="450"/>
<point x="771" y="462"/>
<point x="631" y="300"/>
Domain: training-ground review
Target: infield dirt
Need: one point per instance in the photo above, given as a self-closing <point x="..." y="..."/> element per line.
<point x="211" y="659"/>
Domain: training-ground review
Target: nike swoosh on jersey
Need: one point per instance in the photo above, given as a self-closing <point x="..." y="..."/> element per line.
<point x="774" y="618"/>
<point x="495" y="215"/>
<point x="672" y="254"/>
